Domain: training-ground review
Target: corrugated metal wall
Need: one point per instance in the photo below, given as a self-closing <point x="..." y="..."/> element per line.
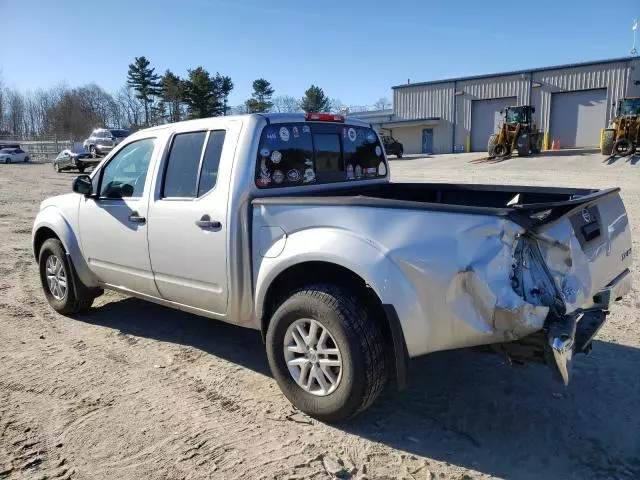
<point x="612" y="76"/>
<point x="425" y="102"/>
<point x="535" y="88"/>
<point x="484" y="89"/>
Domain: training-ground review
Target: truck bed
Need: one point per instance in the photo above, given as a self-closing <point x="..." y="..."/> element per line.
<point x="526" y="205"/>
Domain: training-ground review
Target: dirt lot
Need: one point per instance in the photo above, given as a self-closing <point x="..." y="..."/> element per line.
<point x="132" y="390"/>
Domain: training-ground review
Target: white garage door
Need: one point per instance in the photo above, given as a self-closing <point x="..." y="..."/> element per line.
<point x="577" y="117"/>
<point x="485" y="120"/>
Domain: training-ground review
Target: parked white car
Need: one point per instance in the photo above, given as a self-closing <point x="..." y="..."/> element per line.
<point x="13" y="155"/>
<point x="288" y="224"/>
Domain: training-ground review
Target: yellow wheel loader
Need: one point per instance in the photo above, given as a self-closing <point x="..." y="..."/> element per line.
<point x="517" y="132"/>
<point x="623" y="135"/>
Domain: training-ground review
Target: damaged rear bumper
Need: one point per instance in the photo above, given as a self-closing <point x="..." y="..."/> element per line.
<point x="573" y="333"/>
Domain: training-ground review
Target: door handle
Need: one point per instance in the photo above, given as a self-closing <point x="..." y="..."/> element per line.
<point x="136" y="218"/>
<point x="206" y="222"/>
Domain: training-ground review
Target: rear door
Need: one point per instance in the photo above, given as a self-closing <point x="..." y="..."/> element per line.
<point x="188" y="218"/>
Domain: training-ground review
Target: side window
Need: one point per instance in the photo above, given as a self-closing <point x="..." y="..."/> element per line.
<point x="181" y="173"/>
<point x="211" y="162"/>
<point x="125" y="174"/>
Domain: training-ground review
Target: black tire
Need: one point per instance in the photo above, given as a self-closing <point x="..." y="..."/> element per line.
<point x="26" y="159"/>
<point x="501" y="150"/>
<point x="608" y="139"/>
<point x="77" y="296"/>
<point x="624" y="147"/>
<point x="358" y="337"/>
<point x="81" y="167"/>
<point x="399" y="154"/>
<point x="536" y="144"/>
<point x="524" y="145"/>
<point x="491" y="144"/>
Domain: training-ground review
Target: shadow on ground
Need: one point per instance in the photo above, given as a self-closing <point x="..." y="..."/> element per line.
<point x="462" y="407"/>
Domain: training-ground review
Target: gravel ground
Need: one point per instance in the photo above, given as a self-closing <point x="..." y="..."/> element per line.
<point x="131" y="390"/>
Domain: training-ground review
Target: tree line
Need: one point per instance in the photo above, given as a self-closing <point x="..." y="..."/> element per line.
<point x="146" y="99"/>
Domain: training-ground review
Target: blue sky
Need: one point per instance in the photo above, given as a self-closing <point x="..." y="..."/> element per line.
<point x="355" y="50"/>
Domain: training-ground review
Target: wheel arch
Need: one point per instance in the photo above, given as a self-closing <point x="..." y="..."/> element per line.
<point x="50" y="223"/>
<point x="312" y="272"/>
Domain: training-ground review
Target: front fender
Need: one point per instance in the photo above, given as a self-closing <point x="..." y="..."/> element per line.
<point x="364" y="257"/>
<point x="55" y="220"/>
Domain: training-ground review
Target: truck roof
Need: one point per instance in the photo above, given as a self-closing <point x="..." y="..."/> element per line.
<point x="270" y="117"/>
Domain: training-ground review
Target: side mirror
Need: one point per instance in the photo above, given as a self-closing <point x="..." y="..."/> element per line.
<point x="82" y="185"/>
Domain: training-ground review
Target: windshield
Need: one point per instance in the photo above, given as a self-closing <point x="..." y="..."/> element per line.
<point x="119" y="133"/>
<point x="516" y="115"/>
<point x="293" y="154"/>
<point x="630" y="106"/>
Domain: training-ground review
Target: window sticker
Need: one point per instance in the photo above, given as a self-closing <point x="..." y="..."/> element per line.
<point x="351" y="133"/>
<point x="284" y="134"/>
<point x="293" y="175"/>
<point x="378" y="150"/>
<point x="278" y="177"/>
<point x="265" y="152"/>
<point x="276" y="156"/>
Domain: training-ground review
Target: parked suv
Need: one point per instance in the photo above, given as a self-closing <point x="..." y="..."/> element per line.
<point x="103" y="140"/>
<point x="392" y="146"/>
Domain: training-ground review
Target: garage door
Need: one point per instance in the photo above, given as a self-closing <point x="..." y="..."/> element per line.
<point x="577" y="117"/>
<point x="485" y="120"/>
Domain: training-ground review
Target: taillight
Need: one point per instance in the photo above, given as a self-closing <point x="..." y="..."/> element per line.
<point x="323" y="117"/>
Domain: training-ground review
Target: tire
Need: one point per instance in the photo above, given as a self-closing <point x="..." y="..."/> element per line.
<point x="75" y="297"/>
<point x="624" y="147"/>
<point x="399" y="154"/>
<point x="536" y="144"/>
<point x="93" y="151"/>
<point x="81" y="167"/>
<point x="491" y="144"/>
<point x="356" y="336"/>
<point x="608" y="139"/>
<point x="524" y="145"/>
<point x="26" y="159"/>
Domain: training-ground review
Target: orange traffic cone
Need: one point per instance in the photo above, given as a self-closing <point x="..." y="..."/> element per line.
<point x="555" y="145"/>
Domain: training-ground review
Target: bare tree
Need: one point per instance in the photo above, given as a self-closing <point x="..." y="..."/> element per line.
<point x="382" y="103"/>
<point x="15" y="112"/>
<point x="286" y="104"/>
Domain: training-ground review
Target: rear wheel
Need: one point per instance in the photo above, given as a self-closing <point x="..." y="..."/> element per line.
<point x="326" y="352"/>
<point x="399" y="154"/>
<point x="536" y="144"/>
<point x="608" y="139"/>
<point x="81" y="167"/>
<point x="623" y="147"/>
<point x="62" y="287"/>
<point x="524" y="145"/>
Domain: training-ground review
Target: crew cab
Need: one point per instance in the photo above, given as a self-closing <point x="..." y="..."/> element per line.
<point x="289" y="224"/>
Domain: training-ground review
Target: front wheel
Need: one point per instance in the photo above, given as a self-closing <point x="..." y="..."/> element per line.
<point x="62" y="287"/>
<point x="399" y="154"/>
<point x="326" y="352"/>
<point x="81" y="167"/>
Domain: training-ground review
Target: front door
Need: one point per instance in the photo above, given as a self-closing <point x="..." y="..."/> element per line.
<point x="427" y="140"/>
<point x="188" y="220"/>
<point x="113" y="225"/>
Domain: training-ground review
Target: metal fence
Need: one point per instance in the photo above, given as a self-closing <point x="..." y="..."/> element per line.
<point x="43" y="148"/>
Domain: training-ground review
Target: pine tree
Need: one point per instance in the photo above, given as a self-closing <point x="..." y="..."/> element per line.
<point x="222" y="86"/>
<point x="172" y="94"/>
<point x="200" y="94"/>
<point x="260" y="101"/>
<point x="143" y="79"/>
<point x="315" y="101"/>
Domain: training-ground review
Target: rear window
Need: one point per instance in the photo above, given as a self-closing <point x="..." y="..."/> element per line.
<point x="301" y="153"/>
<point x="119" y="133"/>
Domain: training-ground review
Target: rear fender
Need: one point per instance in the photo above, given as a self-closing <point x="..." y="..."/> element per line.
<point x="53" y="219"/>
<point x="364" y="257"/>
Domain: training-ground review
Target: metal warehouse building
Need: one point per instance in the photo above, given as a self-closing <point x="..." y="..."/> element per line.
<point x="573" y="103"/>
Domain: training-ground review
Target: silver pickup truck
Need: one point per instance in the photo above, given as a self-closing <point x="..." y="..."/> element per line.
<point x="289" y="224"/>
